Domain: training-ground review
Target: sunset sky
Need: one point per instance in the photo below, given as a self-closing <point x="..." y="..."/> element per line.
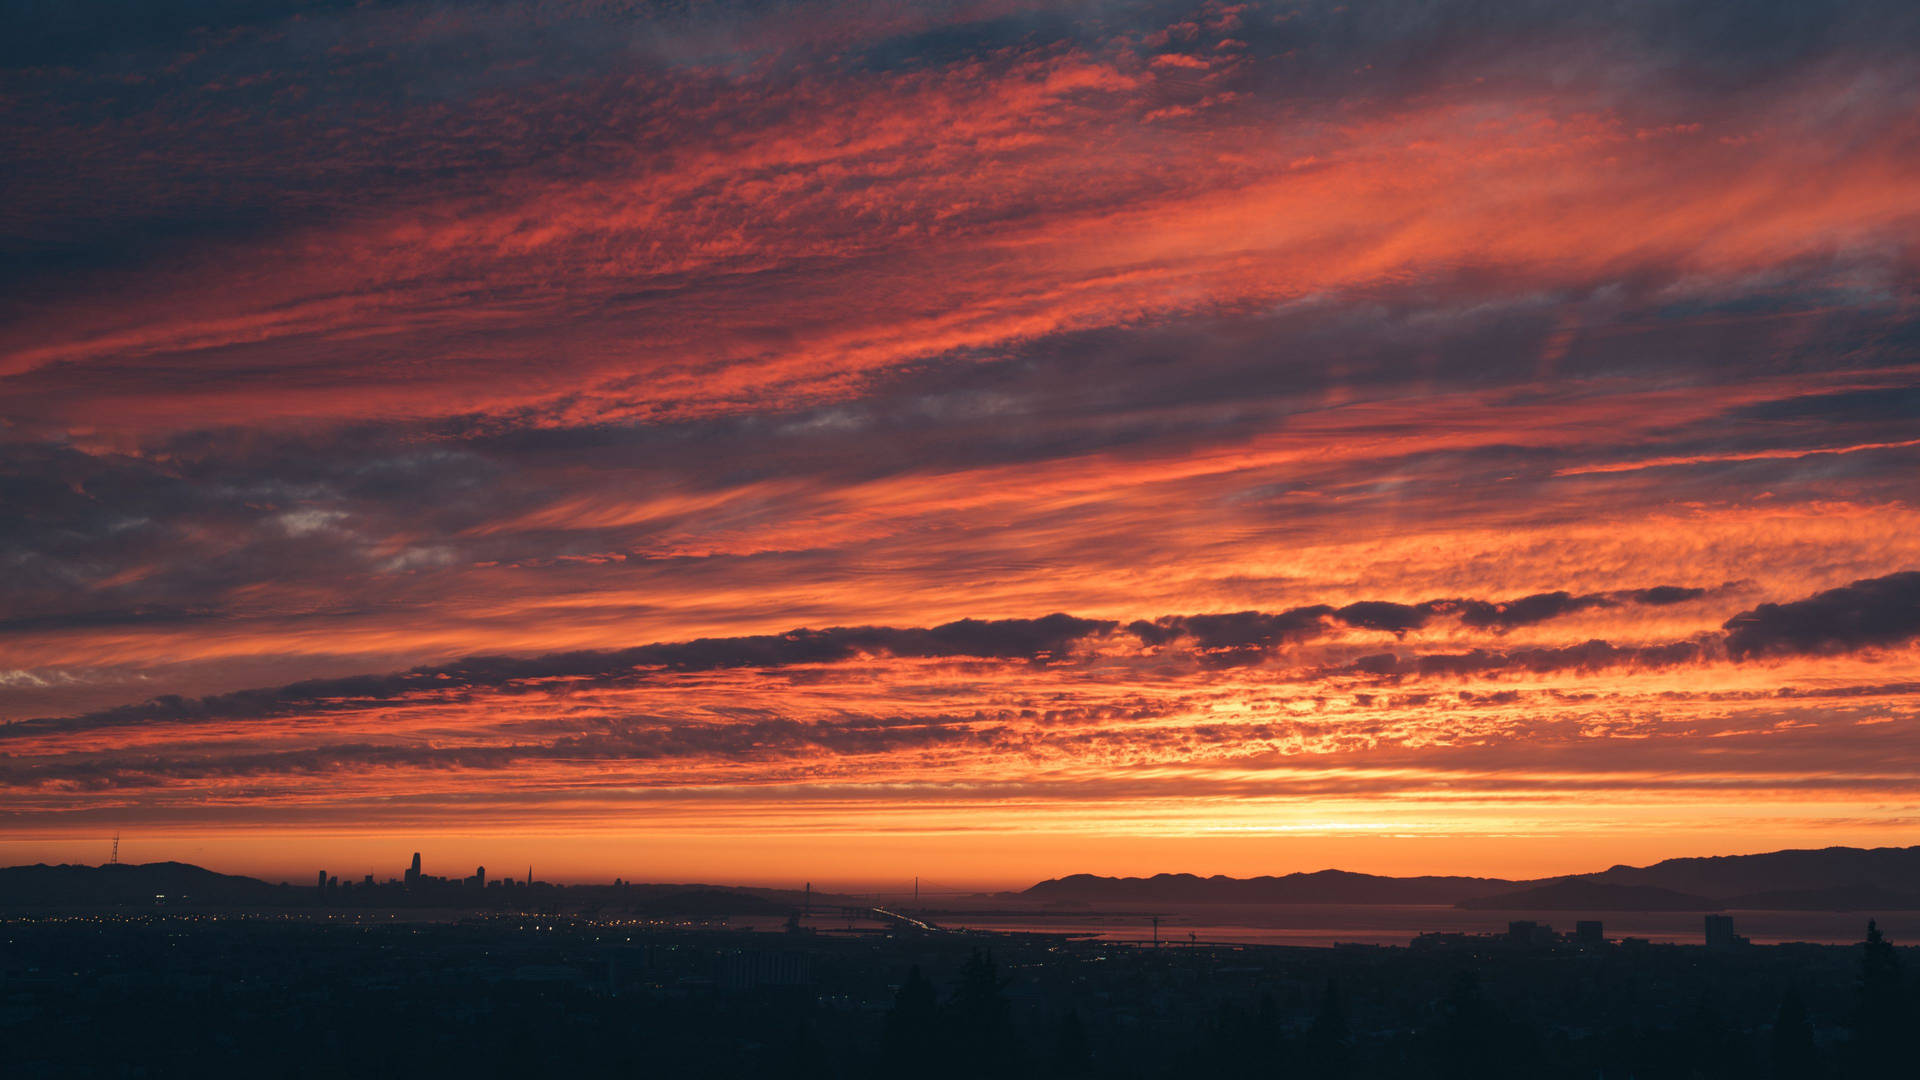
<point x="840" y="441"/>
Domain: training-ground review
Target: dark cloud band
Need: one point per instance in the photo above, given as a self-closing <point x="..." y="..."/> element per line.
<point x="1869" y="613"/>
<point x="1874" y="612"/>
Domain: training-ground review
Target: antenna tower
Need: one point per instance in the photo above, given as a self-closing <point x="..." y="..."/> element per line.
<point x="115" y="858"/>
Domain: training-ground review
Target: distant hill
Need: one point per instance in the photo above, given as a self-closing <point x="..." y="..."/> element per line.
<point x="1585" y="894"/>
<point x="1828" y="879"/>
<point x="41" y="885"/>
<point x="1727" y="876"/>
<point x="1319" y="887"/>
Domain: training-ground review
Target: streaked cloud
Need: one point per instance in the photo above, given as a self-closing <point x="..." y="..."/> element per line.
<point x="1420" y="409"/>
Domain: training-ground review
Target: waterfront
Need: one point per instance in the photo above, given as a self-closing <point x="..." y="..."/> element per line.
<point x="1335" y="924"/>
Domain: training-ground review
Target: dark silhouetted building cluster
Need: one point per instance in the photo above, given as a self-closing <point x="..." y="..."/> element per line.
<point x="1720" y="933"/>
<point x="417" y="888"/>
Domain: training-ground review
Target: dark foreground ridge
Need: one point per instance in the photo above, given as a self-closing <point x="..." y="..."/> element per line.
<point x="120" y="993"/>
<point x="1828" y="879"/>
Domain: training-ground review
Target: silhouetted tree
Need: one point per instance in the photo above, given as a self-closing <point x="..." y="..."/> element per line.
<point x="1071" y="1056"/>
<point x="1269" y="1043"/>
<point x="1329" y="1051"/>
<point x="912" y="1032"/>
<point x="1239" y="1042"/>
<point x="981" y="1017"/>
<point x="802" y="1057"/>
<point x="1475" y="1039"/>
<point x="1468" y="1045"/>
<point x="1794" y="1054"/>
<point x="1881" y="1018"/>
<point x="1708" y="1048"/>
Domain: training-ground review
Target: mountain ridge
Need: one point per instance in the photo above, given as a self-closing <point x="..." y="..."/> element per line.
<point x="1831" y="878"/>
<point x="1309" y="887"/>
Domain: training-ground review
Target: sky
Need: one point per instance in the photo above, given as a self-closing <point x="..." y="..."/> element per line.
<point x="846" y="440"/>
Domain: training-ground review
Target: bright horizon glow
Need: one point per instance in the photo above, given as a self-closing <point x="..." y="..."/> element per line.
<point x="580" y="859"/>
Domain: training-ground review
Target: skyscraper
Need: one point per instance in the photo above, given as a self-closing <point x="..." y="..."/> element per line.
<point x="1720" y="933"/>
<point x="413" y="872"/>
